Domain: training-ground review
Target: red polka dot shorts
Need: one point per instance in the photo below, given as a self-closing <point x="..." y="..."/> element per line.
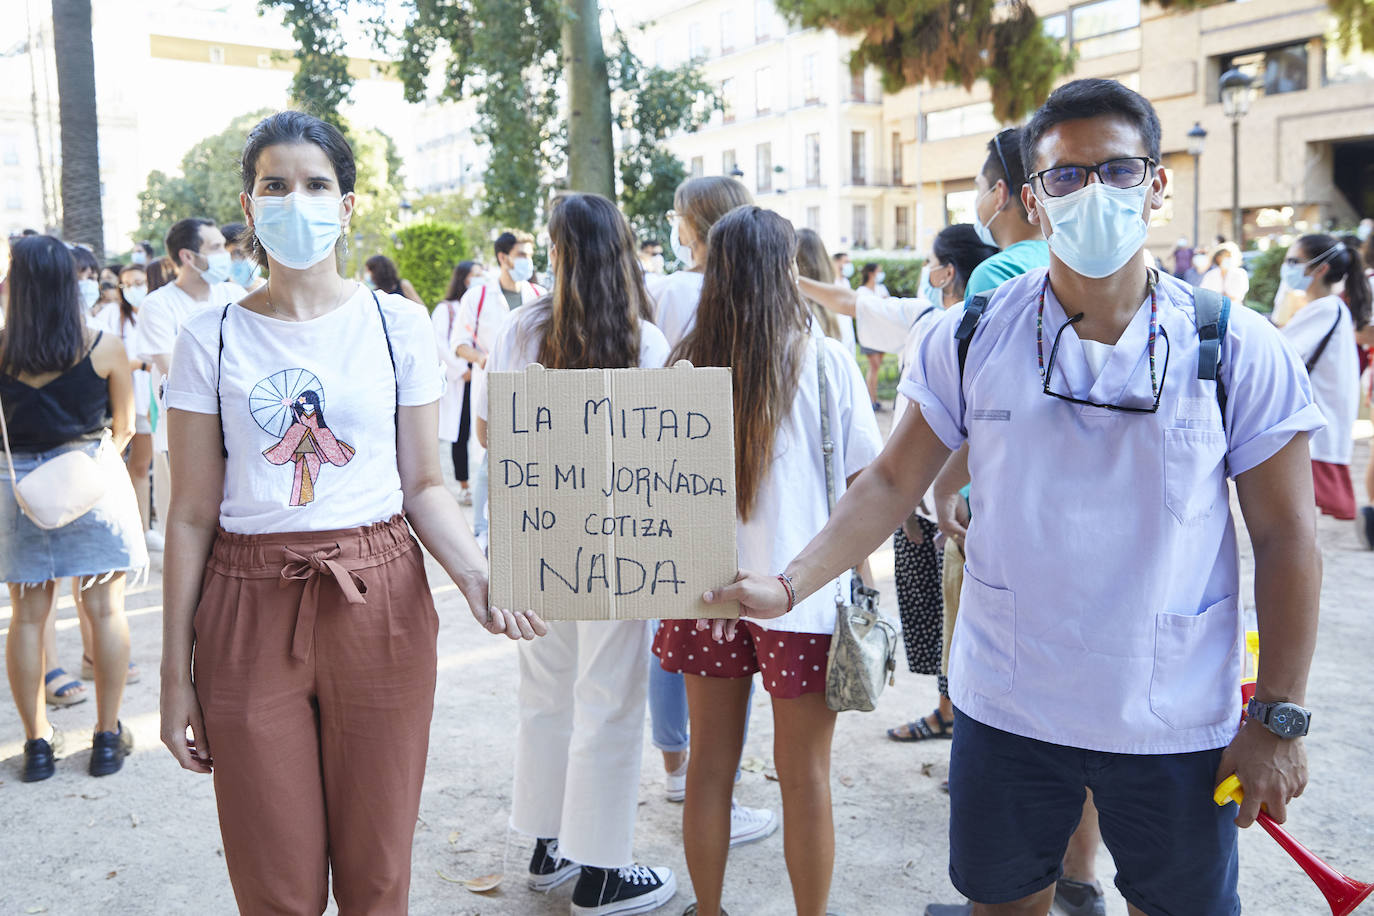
<point x="792" y="663"/>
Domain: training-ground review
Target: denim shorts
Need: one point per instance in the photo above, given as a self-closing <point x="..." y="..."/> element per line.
<point x="1015" y="801"/>
<point x="107" y="539"/>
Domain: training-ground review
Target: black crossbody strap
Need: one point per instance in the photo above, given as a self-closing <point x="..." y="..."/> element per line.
<point x="1321" y="347"/>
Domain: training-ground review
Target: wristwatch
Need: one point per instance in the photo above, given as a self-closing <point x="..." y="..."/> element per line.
<point x="1287" y="720"/>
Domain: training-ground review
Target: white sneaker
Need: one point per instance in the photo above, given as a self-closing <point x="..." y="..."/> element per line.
<point x="155" y="541"/>
<point x="749" y="825"/>
<point x="677" y="784"/>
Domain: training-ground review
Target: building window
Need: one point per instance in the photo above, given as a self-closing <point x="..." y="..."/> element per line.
<point x="9" y="149"/>
<point x="727" y="32"/>
<point x="811" y="91"/>
<point x="696" y="49"/>
<point x="728" y="163"/>
<point x="960" y="206"/>
<point x="963" y="121"/>
<point x="813" y="219"/>
<point x="763" y="90"/>
<point x="1352" y="67"/>
<point x="859" y="225"/>
<point x="856" y="87"/>
<point x="1106" y="27"/>
<point x="763" y="166"/>
<point x="901" y="227"/>
<point x="1275" y="70"/>
<point x="896" y="158"/>
<point x="763" y="20"/>
<point x="1056" y="26"/>
<point x="813" y="160"/>
<point x="858" y="164"/>
<point x="698" y="166"/>
<point x="727" y="100"/>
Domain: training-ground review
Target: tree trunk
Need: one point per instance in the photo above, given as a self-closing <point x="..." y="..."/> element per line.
<point x="81" y="215"/>
<point x="590" y="156"/>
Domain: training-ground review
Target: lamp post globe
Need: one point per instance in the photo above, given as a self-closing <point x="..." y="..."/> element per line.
<point x="1234" y="89"/>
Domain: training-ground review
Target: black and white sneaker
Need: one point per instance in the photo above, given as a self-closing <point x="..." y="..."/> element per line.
<point x="613" y="891"/>
<point x="547" y="870"/>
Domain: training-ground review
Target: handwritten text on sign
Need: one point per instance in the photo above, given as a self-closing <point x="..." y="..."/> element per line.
<point x="612" y="492"/>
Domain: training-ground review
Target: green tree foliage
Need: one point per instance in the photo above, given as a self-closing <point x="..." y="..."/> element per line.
<point x="426" y="253"/>
<point x="461" y="210"/>
<point x="654" y="104"/>
<point x="903" y="275"/>
<point x="915" y="41"/>
<point x="1264" y="278"/>
<point x="322" y="83"/>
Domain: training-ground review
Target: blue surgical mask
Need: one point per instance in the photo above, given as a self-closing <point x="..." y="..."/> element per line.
<point x="90" y="292"/>
<point x="680" y="251"/>
<point x="881" y="277"/>
<point x="1295" y="276"/>
<point x="983" y="230"/>
<point x="847" y="270"/>
<point x="522" y="269"/>
<point x="1097" y="229"/>
<point x="217" y="267"/>
<point x="243" y="272"/>
<point x="298" y="230"/>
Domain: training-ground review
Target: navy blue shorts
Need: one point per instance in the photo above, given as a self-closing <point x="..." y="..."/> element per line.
<point x="1014" y="803"/>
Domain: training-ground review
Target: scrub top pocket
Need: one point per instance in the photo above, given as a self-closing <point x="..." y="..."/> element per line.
<point x="1191" y="487"/>
<point x="1195" y="683"/>
<point x="985" y="637"/>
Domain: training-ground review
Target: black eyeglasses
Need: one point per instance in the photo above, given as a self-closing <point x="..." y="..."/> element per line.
<point x="1124" y="173"/>
<point x="1049" y="374"/>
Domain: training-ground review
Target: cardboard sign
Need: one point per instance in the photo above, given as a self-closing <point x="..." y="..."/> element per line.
<point x="612" y="491"/>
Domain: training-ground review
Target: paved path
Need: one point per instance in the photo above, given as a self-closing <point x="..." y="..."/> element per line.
<point x="146" y="840"/>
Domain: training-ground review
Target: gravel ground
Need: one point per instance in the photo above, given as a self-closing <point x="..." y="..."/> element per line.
<point x="147" y="840"/>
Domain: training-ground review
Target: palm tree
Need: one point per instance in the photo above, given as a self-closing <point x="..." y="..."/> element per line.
<point x="82" y="220"/>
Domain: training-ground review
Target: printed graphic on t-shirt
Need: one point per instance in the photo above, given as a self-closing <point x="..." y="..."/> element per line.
<point x="290" y="405"/>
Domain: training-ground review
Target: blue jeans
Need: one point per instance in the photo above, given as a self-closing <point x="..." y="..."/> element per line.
<point x="668" y="707"/>
<point x="479" y="498"/>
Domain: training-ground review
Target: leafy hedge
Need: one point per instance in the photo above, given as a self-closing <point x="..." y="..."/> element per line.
<point x="1264" y="278"/>
<point x="426" y="253"/>
<point x="903" y="274"/>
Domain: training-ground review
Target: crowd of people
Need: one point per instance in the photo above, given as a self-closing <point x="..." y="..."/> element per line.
<point x="1095" y="705"/>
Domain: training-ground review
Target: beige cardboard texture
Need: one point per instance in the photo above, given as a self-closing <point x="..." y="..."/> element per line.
<point x="612" y="491"/>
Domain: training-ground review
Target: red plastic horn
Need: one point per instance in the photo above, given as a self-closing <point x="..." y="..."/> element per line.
<point x="1344" y="894"/>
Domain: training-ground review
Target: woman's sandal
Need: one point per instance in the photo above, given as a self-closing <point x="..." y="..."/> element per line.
<point x="920" y="730"/>
<point x="62" y="689"/>
<point x="88" y="671"/>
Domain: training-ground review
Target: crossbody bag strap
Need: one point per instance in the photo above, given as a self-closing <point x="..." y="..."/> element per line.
<point x="9" y="457"/>
<point x="219" y="390"/>
<point x="1321" y="347"/>
<point x="827" y="443"/>
<point x="395" y="376"/>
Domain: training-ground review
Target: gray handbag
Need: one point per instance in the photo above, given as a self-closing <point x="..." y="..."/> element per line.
<point x="863" y="650"/>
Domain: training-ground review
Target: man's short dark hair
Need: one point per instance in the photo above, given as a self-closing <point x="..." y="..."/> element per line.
<point x="1005" y="163"/>
<point x="839" y="254"/>
<point x="649" y="243"/>
<point x="1092" y="98"/>
<point x="185" y="233"/>
<point x="505" y="243"/>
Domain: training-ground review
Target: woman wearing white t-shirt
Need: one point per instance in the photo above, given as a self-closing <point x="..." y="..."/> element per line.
<point x="580" y="731"/>
<point x="754" y="321"/>
<point x="697" y="204"/>
<point x="1324" y="333"/>
<point x="302" y="429"/>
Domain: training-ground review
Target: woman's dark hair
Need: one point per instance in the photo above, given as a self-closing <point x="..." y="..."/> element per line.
<point x="85" y="260"/>
<point x="752" y="319"/>
<point x="1091" y="98"/>
<point x="160" y="272"/>
<point x="44" y="328"/>
<point x="458" y="284"/>
<point x="385" y="276"/>
<point x="591" y="319"/>
<point x="313" y="398"/>
<point x="868" y="270"/>
<point x="1343" y="262"/>
<point x="960" y="247"/>
<point x="127" y="312"/>
<point x="289" y="127"/>
<point x="814" y="264"/>
<point x="233" y="232"/>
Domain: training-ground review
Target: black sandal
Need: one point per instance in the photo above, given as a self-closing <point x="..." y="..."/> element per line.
<point x="920" y="730"/>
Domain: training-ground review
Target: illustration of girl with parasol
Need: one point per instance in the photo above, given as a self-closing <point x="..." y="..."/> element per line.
<point x="307" y="439"/>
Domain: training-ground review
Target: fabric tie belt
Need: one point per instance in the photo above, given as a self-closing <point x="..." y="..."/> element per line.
<point x="300" y="568"/>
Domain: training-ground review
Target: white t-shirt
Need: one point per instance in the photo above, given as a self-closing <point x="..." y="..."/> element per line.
<point x="675" y="304"/>
<point x="127" y="331"/>
<point x="1233" y="286"/>
<point x="790" y="508"/>
<point x="1335" y="377"/>
<point x="308" y="408"/>
<point x="448" y="334"/>
<point x="517" y="346"/>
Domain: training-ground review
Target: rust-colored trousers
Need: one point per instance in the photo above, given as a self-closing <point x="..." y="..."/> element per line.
<point x="315" y="665"/>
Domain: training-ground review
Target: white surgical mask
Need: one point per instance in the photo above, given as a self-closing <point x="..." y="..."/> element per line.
<point x="90" y="292"/>
<point x="136" y="294"/>
<point x="847" y="270"/>
<point x="656" y="264"/>
<point x="522" y="269"/>
<point x="217" y="267"/>
<point x="1295" y="276"/>
<point x="1097" y="228"/>
<point x="139" y="257"/>
<point x="881" y="277"/>
<point x="984" y="230"/>
<point x="298" y="230"/>
<point x="680" y="251"/>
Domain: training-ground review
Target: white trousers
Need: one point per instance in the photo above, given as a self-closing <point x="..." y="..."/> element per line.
<point x="580" y="738"/>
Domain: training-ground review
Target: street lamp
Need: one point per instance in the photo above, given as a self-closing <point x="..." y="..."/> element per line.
<point x="737" y="173"/>
<point x="1197" y="138"/>
<point x="1235" y="101"/>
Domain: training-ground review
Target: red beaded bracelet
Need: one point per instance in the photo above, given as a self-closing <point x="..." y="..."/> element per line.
<point x="791" y="592"/>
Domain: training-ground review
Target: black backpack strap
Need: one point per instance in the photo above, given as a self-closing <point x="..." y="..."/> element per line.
<point x="219" y="392"/>
<point x="1321" y="347"/>
<point x="1213" y="313"/>
<point x="973" y="313"/>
